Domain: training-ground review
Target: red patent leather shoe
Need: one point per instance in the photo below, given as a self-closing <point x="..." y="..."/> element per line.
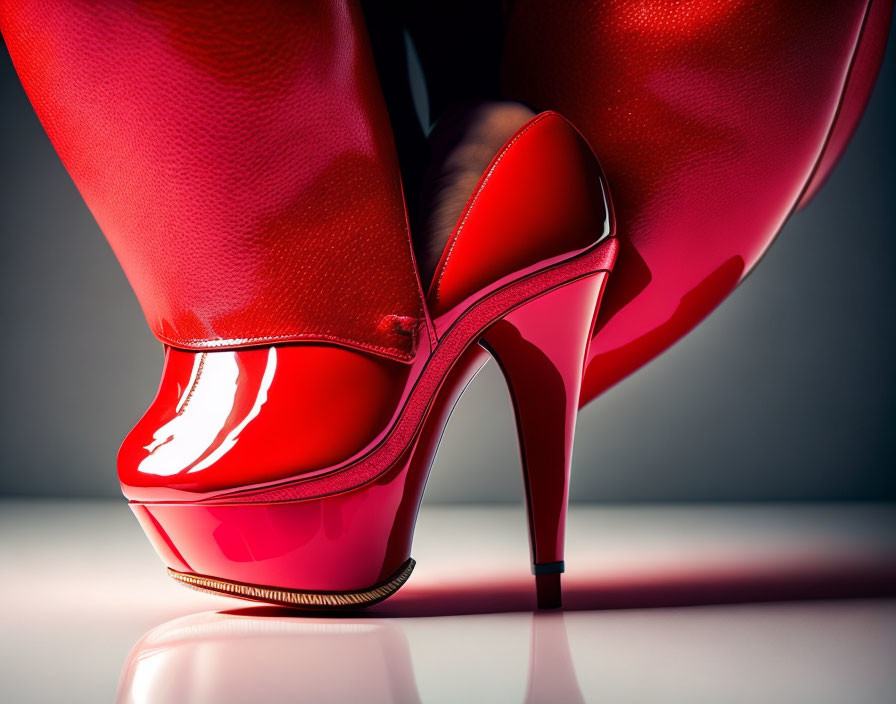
<point x="265" y="473"/>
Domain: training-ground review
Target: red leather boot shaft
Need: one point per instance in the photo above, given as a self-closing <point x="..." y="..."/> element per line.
<point x="238" y="157"/>
<point x="709" y="119"/>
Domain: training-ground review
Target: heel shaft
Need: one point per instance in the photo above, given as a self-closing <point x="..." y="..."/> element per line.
<point x="541" y="350"/>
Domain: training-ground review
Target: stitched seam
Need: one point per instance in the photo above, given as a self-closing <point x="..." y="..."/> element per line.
<point x="203" y="343"/>
<point x="472" y="204"/>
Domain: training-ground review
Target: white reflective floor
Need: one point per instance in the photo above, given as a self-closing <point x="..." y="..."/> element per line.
<point x="663" y="604"/>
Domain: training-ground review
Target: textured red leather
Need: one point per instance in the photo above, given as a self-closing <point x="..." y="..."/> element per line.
<point x="709" y="118"/>
<point x="540" y="197"/>
<point x="238" y="157"/>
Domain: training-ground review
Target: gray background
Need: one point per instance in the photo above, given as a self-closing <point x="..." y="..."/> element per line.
<point x="785" y="392"/>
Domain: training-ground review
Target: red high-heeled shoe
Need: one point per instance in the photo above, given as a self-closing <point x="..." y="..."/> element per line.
<point x="240" y="161"/>
<point x="713" y="120"/>
<point x="230" y="485"/>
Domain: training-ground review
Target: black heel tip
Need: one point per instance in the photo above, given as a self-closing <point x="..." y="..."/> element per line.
<point x="548" y="591"/>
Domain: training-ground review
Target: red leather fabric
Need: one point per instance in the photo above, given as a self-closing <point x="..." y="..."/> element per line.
<point x="708" y="116"/>
<point x="540" y="197"/>
<point x="238" y="157"/>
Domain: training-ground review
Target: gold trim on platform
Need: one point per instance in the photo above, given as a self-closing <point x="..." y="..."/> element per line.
<point x="295" y="598"/>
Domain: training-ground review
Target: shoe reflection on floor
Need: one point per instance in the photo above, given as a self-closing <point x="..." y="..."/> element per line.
<point x="228" y="657"/>
<point x="819" y="651"/>
<point x="779" y="605"/>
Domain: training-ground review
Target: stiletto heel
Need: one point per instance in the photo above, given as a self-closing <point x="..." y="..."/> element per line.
<point x="542" y="356"/>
